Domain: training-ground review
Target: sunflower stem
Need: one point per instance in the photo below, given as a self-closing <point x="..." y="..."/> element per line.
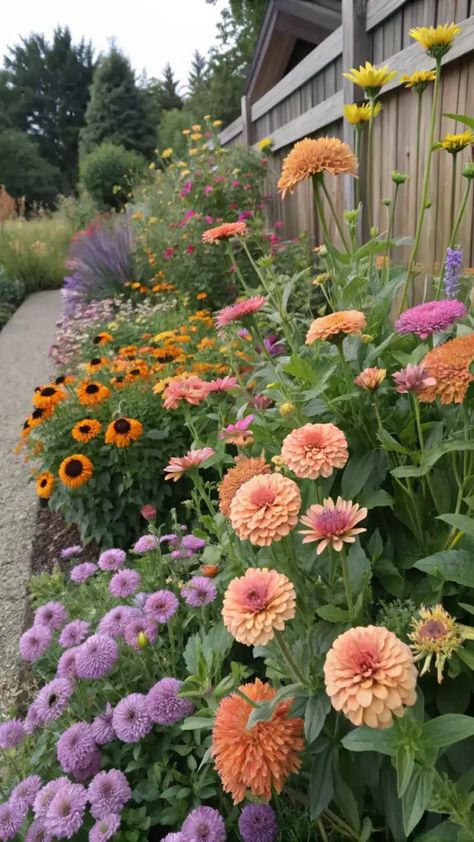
<point x="453" y="191"/>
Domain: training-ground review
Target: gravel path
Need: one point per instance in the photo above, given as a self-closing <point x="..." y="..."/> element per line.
<point x="24" y="363"/>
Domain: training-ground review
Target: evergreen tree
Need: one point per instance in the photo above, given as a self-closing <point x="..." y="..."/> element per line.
<point x="197" y="74"/>
<point x="117" y="111"/>
<point x="23" y="172"/>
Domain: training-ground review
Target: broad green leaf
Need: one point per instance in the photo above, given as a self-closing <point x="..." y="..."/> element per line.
<point x="461" y="118"/>
<point x="467" y="656"/>
<point x="430" y="458"/>
<point x="444" y="832"/>
<point x="356" y="474"/>
<point x="196" y="723"/>
<point x="373" y="247"/>
<point x="317" y="709"/>
<point x="467" y="607"/>
<point x="448" y="729"/>
<point x="360" y="569"/>
<point x="404" y="761"/>
<point x="321" y="784"/>
<point x="416" y="797"/>
<point x="449" y="565"/>
<point x="344" y="798"/>
<point x="369" y="739"/>
<point x="333" y="614"/>
<point x="461" y="522"/>
<point x="265" y="710"/>
<point x="388" y="442"/>
<point x="301" y="369"/>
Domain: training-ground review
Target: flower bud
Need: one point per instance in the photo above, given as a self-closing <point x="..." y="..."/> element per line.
<point x="142" y="640"/>
<point x="374" y="231"/>
<point x="286" y="408"/>
<point x="209" y="570"/>
<point x="468" y="171"/>
<point x="148" y="511"/>
<point x="399" y="177"/>
<point x="366" y="338"/>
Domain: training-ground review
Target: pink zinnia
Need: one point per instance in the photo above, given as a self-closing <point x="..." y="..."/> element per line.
<point x="178" y="465"/>
<point x="413" y="378"/>
<point x="239" y="432"/>
<point x="239" y="310"/>
<point x="332" y="523"/>
<point x="192" y="389"/>
<point x="432" y="317"/>
<point x="314" y="450"/>
<point x="222" y="384"/>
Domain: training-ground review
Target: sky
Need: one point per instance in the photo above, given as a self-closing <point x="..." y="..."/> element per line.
<point x="149" y="32"/>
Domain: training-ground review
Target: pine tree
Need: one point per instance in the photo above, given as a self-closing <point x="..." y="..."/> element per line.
<point x="197" y="74"/>
<point x="117" y="110"/>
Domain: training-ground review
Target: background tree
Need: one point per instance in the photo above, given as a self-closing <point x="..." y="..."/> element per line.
<point x="197" y="74"/>
<point x="23" y="171"/>
<point x="109" y="174"/>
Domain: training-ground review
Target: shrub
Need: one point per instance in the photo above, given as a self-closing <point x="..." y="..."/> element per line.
<point x="12" y="294"/>
<point x="23" y="171"/>
<point x="109" y="173"/>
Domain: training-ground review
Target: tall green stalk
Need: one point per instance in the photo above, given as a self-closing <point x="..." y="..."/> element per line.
<point x="370" y="162"/>
<point x="460" y="215"/>
<point x="335" y="216"/>
<point x="418" y="138"/>
<point x="453" y="191"/>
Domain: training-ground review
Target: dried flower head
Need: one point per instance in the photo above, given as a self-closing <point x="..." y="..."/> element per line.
<point x="435" y="634"/>
<point x="257" y="604"/>
<point x="312" y="156"/>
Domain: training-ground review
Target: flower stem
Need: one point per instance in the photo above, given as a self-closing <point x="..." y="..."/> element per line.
<point x="357" y="146"/>
<point x="369" y="162"/>
<point x="237" y="269"/>
<point x="460" y="215"/>
<point x="335" y="216"/>
<point x="453" y="192"/>
<point x="347" y="586"/>
<point x="295" y="670"/>
<point x="418" y="140"/>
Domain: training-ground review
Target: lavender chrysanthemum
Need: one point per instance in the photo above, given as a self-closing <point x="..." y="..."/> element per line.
<point x="76" y="747"/>
<point x="199" y="591"/>
<point x="34" y="642"/>
<point x="32" y="719"/>
<point x="102" y="729"/>
<point x="108" y="793"/>
<point x="71" y="552"/>
<point x="53" y="615"/>
<point x="131" y="720"/>
<point x="112" y="559"/>
<point x="105" y="828"/>
<point x="193" y="543"/>
<point x="136" y="626"/>
<point x="429" y="318"/>
<point x="46" y="794"/>
<point x="124" y="583"/>
<point x="26" y="790"/>
<point x="413" y="378"/>
<point x="173" y="837"/>
<point x="161" y="606"/>
<point x="80" y="572"/>
<point x="96" y="657"/>
<point x="66" y="667"/>
<point x="74" y="633"/>
<point x="90" y="769"/>
<point x="12" y="816"/>
<point x="171" y="538"/>
<point x="164" y="705"/>
<point x="452" y="269"/>
<point x="114" y="622"/>
<point x="37" y="832"/>
<point x="139" y="600"/>
<point x="258" y="823"/>
<point x="145" y="544"/>
<point x="12" y="732"/>
<point x="204" y="824"/>
<point x="53" y="699"/>
<point x="65" y="814"/>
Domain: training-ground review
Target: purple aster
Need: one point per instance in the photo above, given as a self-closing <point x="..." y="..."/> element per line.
<point x="105" y="828"/>
<point x="145" y="544"/>
<point x="171" y="538"/>
<point x="34" y="642"/>
<point x="71" y="552"/>
<point x="164" y="705"/>
<point x="76" y="747"/>
<point x="413" y="378"/>
<point x="12" y="816"/>
<point x="38" y="833"/>
<point x="199" y="591"/>
<point x="113" y="623"/>
<point x="429" y="318"/>
<point x="102" y="729"/>
<point x="53" y="699"/>
<point x="192" y="542"/>
<point x="26" y="790"/>
<point x="182" y="553"/>
<point x="53" y="615"/>
<point x="139" y="600"/>
<point x="33" y="719"/>
<point x="136" y="626"/>
<point x="112" y="559"/>
<point x="258" y="823"/>
<point x="80" y="572"/>
<point x="90" y="769"/>
<point x="12" y="733"/>
<point x="124" y="583"/>
<point x="108" y="793"/>
<point x="161" y="606"/>
<point x="204" y="824"/>
<point x="452" y="270"/>
<point x="66" y="667"/>
<point x="96" y="657"/>
<point x="45" y="796"/>
<point x="131" y="720"/>
<point x="65" y="814"/>
<point x="74" y="633"/>
<point x="173" y="837"/>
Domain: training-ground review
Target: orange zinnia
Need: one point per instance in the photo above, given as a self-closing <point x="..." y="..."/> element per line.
<point x="314" y="450"/>
<point x="259" y="759"/>
<point x="235" y="477"/>
<point x="449" y="364"/>
<point x="311" y="156"/>
<point x="256" y="604"/>
<point x="265" y="509"/>
<point x="224" y="231"/>
<point x="336" y="326"/>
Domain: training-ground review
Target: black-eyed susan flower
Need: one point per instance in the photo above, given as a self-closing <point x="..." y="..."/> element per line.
<point x="102" y="338"/>
<point x="435" y="40"/>
<point x="87" y="429"/>
<point x="90" y="392"/>
<point x="45" y="484"/>
<point x="38" y="416"/>
<point x="370" y="78"/>
<point x="359" y="112"/>
<point x="435" y="635"/>
<point x="455" y="143"/>
<point x="46" y="397"/>
<point x="96" y="363"/>
<point x="75" y="470"/>
<point x="418" y="80"/>
<point x="123" y="431"/>
<point x="64" y="380"/>
<point x="119" y="381"/>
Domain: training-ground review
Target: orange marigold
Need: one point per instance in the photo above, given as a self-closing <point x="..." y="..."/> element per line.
<point x="265" y="509"/>
<point x="336" y="325"/>
<point x="257" y="604"/>
<point x="244" y="469"/>
<point x="259" y="759"/>
<point x="449" y="364"/>
<point x="314" y="450"/>
<point x="224" y="231"/>
<point x="370" y="675"/>
<point x="311" y="156"/>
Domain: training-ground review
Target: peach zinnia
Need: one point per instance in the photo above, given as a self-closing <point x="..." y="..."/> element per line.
<point x="179" y="465"/>
<point x="235" y="477"/>
<point x="336" y="325"/>
<point x="312" y="156"/>
<point x="333" y="523"/>
<point x="265" y="509"/>
<point x="370" y="675"/>
<point x="450" y="365"/>
<point x="314" y="450"/>
<point x="261" y="758"/>
<point x="224" y="231"/>
<point x="257" y="604"/>
<point x="191" y="389"/>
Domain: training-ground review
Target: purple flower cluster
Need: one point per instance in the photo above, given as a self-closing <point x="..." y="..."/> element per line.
<point x="34" y="642"/>
<point x="145" y="544"/>
<point x="161" y="606"/>
<point x="452" y="270"/>
<point x="71" y="552"/>
<point x="53" y="615"/>
<point x="96" y="657"/>
<point x="124" y="583"/>
<point x="105" y="828"/>
<point x="164" y="705"/>
<point x="131" y="720"/>
<point x="102" y="728"/>
<point x="199" y="591"/>
<point x="185" y="546"/>
<point x="53" y="699"/>
<point x="74" y="633"/>
<point x="203" y="823"/>
<point x="80" y="572"/>
<point x="12" y="816"/>
<point x="429" y="318"/>
<point x="112" y="559"/>
<point x="12" y="732"/>
<point x="77" y="751"/>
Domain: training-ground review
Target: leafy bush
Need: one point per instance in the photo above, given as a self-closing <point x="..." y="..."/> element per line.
<point x="109" y="174"/>
<point x="12" y="294"/>
<point x="24" y="172"/>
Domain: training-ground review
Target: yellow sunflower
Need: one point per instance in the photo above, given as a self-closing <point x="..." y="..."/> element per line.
<point x="102" y="338"/>
<point x="86" y="429"/>
<point x="418" y="80"/>
<point x="89" y="392"/>
<point x="45" y="484"/>
<point x="75" y="470"/>
<point x="436" y="40"/>
<point x="123" y="431"/>
<point x="455" y="143"/>
<point x="369" y="77"/>
<point x="359" y="112"/>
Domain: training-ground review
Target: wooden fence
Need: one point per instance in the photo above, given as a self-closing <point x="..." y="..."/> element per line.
<point x="309" y="101"/>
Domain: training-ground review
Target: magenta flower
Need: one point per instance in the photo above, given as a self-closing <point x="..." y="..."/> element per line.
<point x="145" y="544"/>
<point x="222" y="384"/>
<point x="413" y="378"/>
<point x="34" y="642"/>
<point x="429" y="318"/>
<point x="96" y="657"/>
<point x="108" y="793"/>
<point x="238" y="433"/>
<point x="74" y="633"/>
<point x="240" y="310"/>
<point x="124" y="583"/>
<point x="53" y="615"/>
<point x="131" y="720"/>
<point x="80" y="572"/>
<point x="71" y="552"/>
<point x="112" y="559"/>
<point x="199" y="591"/>
<point x="161" y="606"/>
<point x="193" y="543"/>
<point x="164" y="705"/>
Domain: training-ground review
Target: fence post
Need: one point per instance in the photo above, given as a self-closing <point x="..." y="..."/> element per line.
<point x="355" y="51"/>
<point x="247" y="126"/>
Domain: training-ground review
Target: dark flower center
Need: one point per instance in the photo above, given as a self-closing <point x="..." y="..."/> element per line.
<point x="96" y="361"/>
<point x="122" y="426"/>
<point x="74" y="468"/>
<point x="43" y="483"/>
<point x="60" y="379"/>
<point x="37" y="413"/>
<point x="48" y="391"/>
<point x="96" y="339"/>
<point x="26" y="424"/>
<point x="432" y="630"/>
<point x="52" y="699"/>
<point x="85" y="428"/>
<point x="92" y="388"/>
<point x="135" y="372"/>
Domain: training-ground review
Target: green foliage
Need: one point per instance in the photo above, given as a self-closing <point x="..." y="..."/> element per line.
<point x="33" y="250"/>
<point x="109" y="174"/>
<point x="24" y="172"/>
<point x="12" y="293"/>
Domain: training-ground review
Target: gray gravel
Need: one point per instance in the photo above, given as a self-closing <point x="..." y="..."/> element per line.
<point x="24" y="363"/>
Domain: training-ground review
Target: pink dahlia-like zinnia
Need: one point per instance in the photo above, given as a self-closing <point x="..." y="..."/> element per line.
<point x="257" y="604"/>
<point x="432" y="317"/>
<point x="370" y="675"/>
<point x="239" y="310"/>
<point x="191" y="389"/>
<point x="238" y="433"/>
<point x="333" y="523"/>
<point x="222" y="384"/>
<point x="265" y="509"/>
<point x="314" y="450"/>
<point x="413" y="378"/>
<point x="179" y="465"/>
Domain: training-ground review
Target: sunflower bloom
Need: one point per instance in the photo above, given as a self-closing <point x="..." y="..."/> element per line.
<point x="123" y="431"/>
<point x="435" y="633"/>
<point x="46" y="397"/>
<point x="455" y="143"/>
<point x="359" y="112"/>
<point x="265" y="509"/>
<point x="91" y="393"/>
<point x="370" y="78"/>
<point x="259" y="759"/>
<point x="86" y="430"/>
<point x="244" y="469"/>
<point x="75" y="470"/>
<point x="257" y="604"/>
<point x="435" y="40"/>
<point x="449" y="364"/>
<point x="45" y="484"/>
<point x="332" y="524"/>
<point x="224" y="231"/>
<point x="418" y="80"/>
<point x="314" y="450"/>
<point x="313" y="156"/>
<point x="370" y="675"/>
<point x="336" y="325"/>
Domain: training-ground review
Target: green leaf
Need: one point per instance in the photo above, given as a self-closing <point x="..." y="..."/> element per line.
<point x="416" y="797"/>
<point x="388" y="442"/>
<point x="344" y="798"/>
<point x="356" y="474"/>
<point x="317" y="708"/>
<point x="461" y="118"/>
<point x="444" y="832"/>
<point x="373" y="247"/>
<point x="461" y="522"/>
<point x="467" y="607"/>
<point x="369" y="739"/>
<point x="449" y="565"/>
<point x="196" y="723"/>
<point x="321" y="784"/>
<point x="404" y="761"/>
<point x="430" y="457"/>
<point x="332" y="614"/>
<point x="265" y="710"/>
<point x="448" y="729"/>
